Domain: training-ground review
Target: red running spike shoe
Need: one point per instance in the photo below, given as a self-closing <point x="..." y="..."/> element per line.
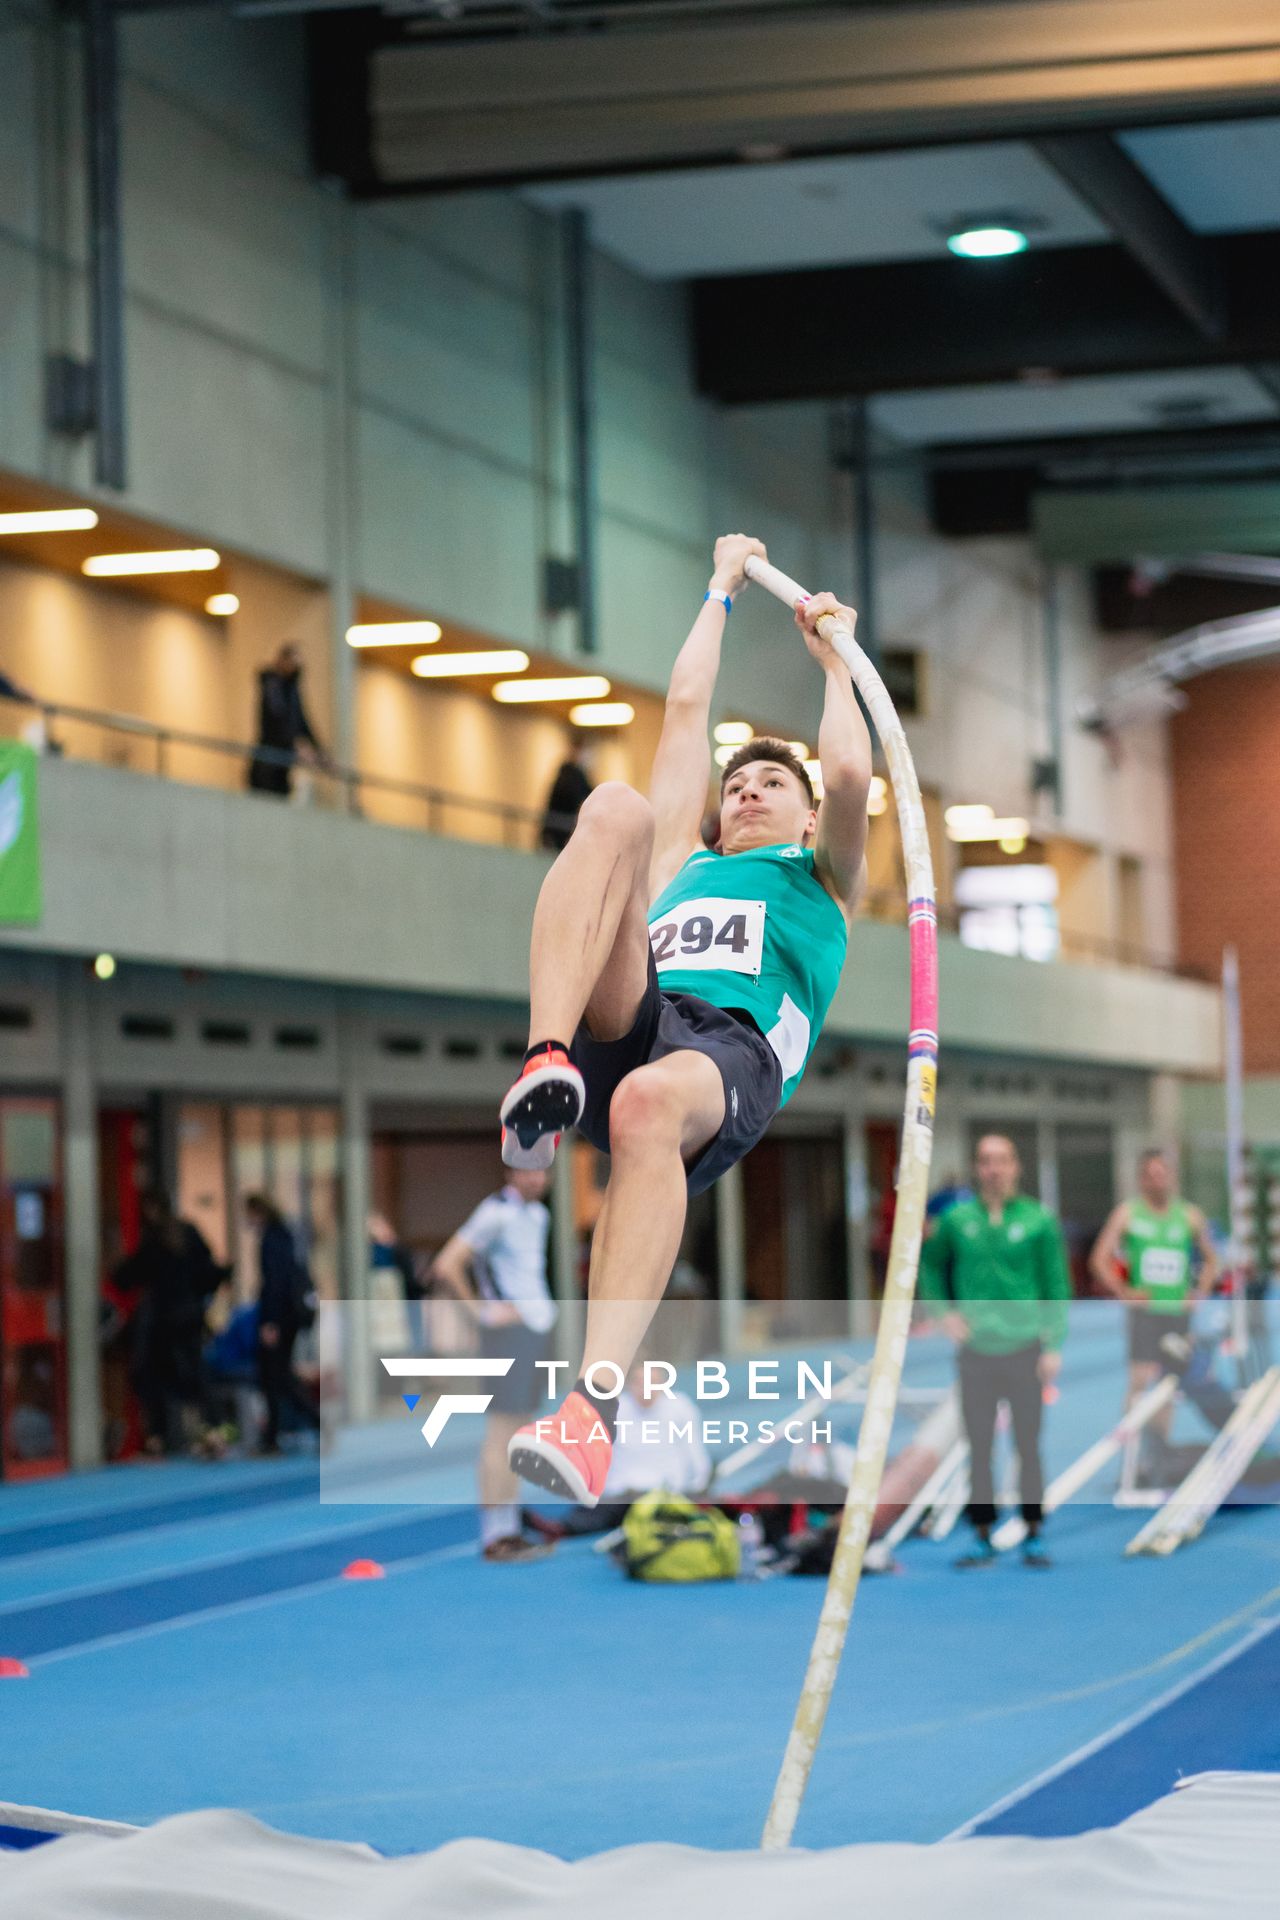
<point x="567" y="1452"/>
<point x="545" y="1102"/>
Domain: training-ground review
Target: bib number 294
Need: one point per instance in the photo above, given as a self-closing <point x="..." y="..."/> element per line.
<point x="722" y="936"/>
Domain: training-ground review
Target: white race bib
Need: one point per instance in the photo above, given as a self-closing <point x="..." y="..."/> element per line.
<point x="1162" y="1267"/>
<point x="719" y="936"/>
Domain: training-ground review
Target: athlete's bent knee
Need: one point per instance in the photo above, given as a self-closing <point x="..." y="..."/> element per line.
<point x="645" y="1110"/>
<point x="619" y="811"/>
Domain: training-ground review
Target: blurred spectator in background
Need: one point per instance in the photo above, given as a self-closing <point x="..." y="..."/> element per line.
<point x="996" y="1267"/>
<point x="10" y="690"/>
<point x="285" y="1308"/>
<point x="498" y="1260"/>
<point x="176" y="1275"/>
<point x="283" y="724"/>
<point x="568" y="791"/>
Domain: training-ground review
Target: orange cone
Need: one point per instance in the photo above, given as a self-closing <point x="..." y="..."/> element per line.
<point x="364" y="1570"/>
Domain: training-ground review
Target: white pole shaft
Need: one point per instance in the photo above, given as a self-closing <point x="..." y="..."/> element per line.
<point x="1171" y="1521"/>
<point x="1091" y="1462"/>
<point x="908" y="1225"/>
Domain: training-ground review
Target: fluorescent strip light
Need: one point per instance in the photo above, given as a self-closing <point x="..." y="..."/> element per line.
<point x="223" y="605"/>
<point x="968" y="815"/>
<point x="176" y="560"/>
<point x="1012" y="828"/>
<point x="603" y="713"/>
<point x="581" y="686"/>
<point x="55" y="520"/>
<point x="433" y="666"/>
<point x="800" y="748"/>
<point x="724" y="754"/>
<point x="394" y="633"/>
<point x="878" y="795"/>
<point x="814" y="770"/>
<point x="734" y="733"/>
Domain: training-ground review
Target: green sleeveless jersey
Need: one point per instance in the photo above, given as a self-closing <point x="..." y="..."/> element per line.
<point x="757" y="933"/>
<point x="1158" y="1249"/>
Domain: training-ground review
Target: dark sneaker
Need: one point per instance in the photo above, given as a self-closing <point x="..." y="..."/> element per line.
<point x="980" y="1554"/>
<point x="544" y="1103"/>
<point x="512" y="1550"/>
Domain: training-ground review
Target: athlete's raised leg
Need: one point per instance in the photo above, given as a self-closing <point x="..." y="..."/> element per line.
<point x="589" y="955"/>
<point x="660" y="1118"/>
<point x="590" y="947"/>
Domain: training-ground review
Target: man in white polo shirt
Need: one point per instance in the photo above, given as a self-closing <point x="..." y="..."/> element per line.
<point x="498" y="1257"/>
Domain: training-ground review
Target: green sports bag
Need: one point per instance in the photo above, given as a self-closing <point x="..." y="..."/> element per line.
<point x="667" y="1538"/>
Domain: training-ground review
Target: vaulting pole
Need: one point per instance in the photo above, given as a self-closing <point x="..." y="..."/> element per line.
<point x="908" y="1224"/>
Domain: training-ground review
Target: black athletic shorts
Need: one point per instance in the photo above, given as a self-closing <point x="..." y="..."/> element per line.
<point x="523" y="1390"/>
<point x="671" y="1023"/>
<point x="1148" y="1329"/>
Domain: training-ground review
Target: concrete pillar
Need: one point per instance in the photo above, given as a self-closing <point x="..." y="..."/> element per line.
<point x="731" y="1246"/>
<point x="83" y="1222"/>
<point x="353" y="1154"/>
<point x="856" y="1202"/>
<point x="341" y="487"/>
<point x="1047" y="1163"/>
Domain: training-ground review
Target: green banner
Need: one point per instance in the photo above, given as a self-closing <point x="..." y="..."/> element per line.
<point x="19" y="836"/>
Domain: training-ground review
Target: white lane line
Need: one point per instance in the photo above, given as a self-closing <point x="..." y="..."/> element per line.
<point x="230" y="1609"/>
<point x="176" y="1568"/>
<point x="1135" y="1719"/>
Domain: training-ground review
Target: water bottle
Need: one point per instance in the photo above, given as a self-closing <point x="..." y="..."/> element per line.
<point x="750" y="1545"/>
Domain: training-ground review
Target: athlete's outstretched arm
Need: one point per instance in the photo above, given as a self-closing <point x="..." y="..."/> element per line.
<point x="682" y="764"/>
<point x="844" y="750"/>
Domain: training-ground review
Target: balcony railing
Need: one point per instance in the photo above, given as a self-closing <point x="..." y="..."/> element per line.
<point x="176" y="753"/>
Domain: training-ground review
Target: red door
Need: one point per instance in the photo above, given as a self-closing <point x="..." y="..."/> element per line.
<point x="33" y="1356"/>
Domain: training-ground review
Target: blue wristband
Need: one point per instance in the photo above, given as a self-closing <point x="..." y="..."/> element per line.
<point x="725" y="599"/>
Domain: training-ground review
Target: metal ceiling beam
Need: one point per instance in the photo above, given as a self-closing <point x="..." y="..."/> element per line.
<point x="812" y="80"/>
<point x="908" y="325"/>
<point x="1098" y="169"/>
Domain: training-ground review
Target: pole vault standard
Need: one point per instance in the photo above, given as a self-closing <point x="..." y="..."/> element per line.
<point x="908" y="1223"/>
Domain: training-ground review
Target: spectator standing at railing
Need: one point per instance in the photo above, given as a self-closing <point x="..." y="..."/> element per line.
<point x="283" y="724"/>
<point x="568" y="791"/>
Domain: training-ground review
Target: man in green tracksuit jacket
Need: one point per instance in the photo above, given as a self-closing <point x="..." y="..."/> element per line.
<point x="998" y="1265"/>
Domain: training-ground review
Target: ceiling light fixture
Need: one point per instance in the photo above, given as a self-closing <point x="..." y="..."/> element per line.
<point x="438" y="666"/>
<point x="222" y="605"/>
<point x="603" y="713"/>
<point x="986" y="243"/>
<point x="394" y="633"/>
<point x="878" y="795"/>
<point x="734" y="733"/>
<point x="1010" y="827"/>
<point x="580" y="686"/>
<point x="55" y="520"/>
<point x="174" y="560"/>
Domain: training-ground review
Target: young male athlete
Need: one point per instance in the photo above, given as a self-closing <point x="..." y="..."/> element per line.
<point x="1163" y="1245"/>
<point x="677" y="992"/>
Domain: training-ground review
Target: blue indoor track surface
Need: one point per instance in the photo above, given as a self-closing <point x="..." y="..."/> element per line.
<point x="191" y="1643"/>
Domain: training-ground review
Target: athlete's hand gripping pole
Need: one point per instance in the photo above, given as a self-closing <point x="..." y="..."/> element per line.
<point x="908" y="1224"/>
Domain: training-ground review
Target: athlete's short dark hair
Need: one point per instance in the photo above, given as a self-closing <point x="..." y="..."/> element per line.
<point x="769" y="749"/>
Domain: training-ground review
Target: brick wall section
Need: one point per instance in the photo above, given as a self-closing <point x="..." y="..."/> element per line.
<point x="1226" y="801"/>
